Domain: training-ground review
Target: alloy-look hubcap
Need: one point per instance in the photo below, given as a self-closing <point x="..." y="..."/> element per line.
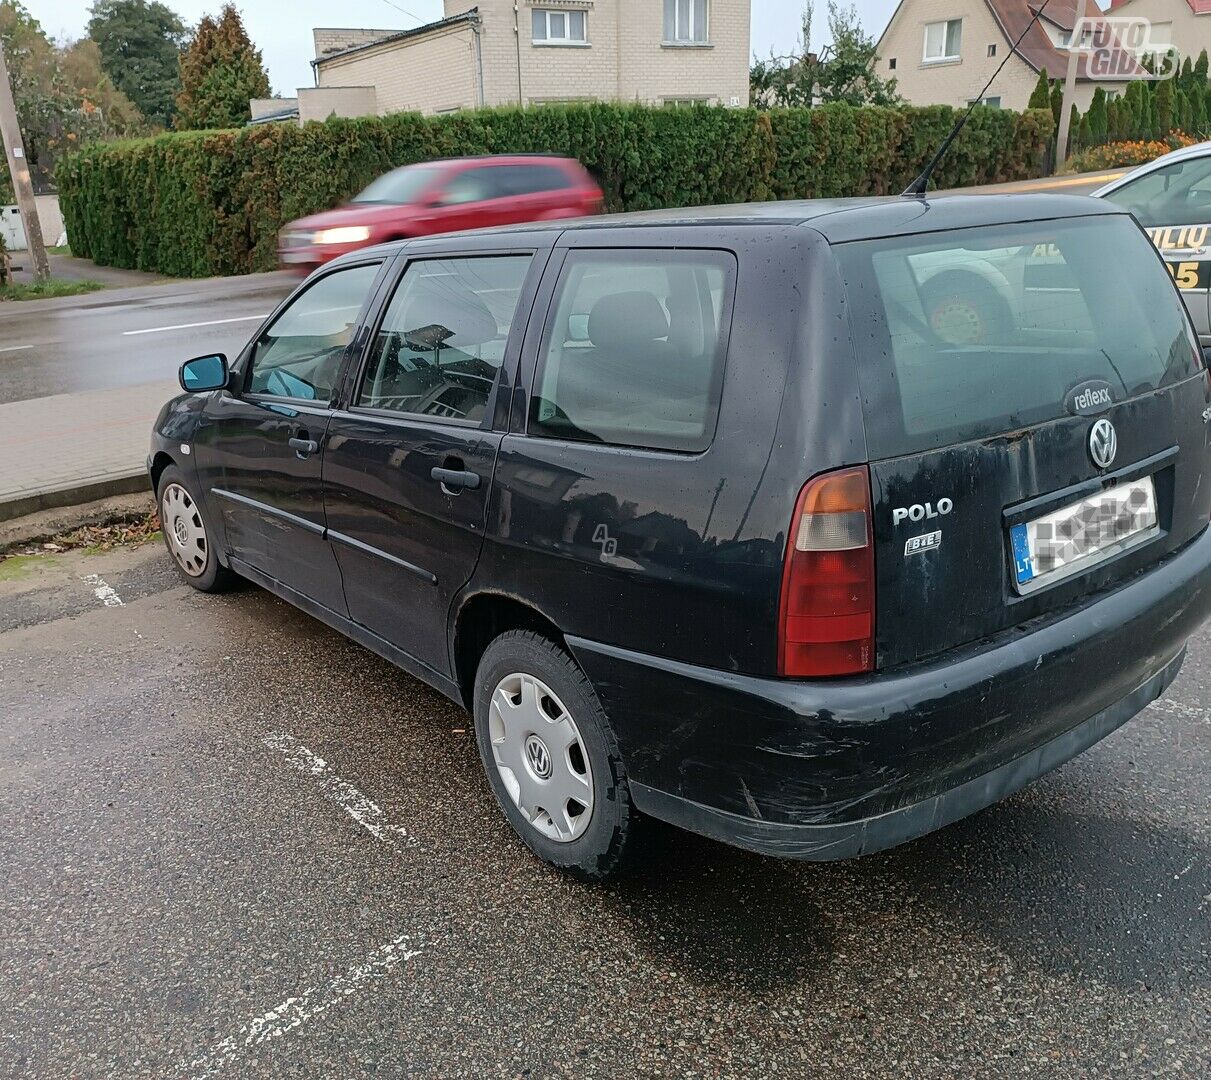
<point x="541" y="757"/>
<point x="182" y="524"/>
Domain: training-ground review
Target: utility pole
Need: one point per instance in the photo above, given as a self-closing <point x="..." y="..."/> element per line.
<point x="18" y="169"/>
<point x="1061" y="141"/>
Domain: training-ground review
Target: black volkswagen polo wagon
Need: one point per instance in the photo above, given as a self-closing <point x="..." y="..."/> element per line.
<point x="810" y="527"/>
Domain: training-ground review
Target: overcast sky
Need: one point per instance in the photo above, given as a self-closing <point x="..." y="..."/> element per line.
<point x="281" y="29"/>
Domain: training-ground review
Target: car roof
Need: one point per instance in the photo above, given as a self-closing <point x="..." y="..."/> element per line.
<point x="490" y="159"/>
<point x="838" y="220"/>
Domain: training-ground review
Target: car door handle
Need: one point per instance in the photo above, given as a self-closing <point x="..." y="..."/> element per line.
<point x="304" y="448"/>
<point x="456" y="479"/>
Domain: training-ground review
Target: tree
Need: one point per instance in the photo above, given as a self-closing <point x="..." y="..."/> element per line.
<point x="114" y="115"/>
<point x="1040" y="96"/>
<point x="1074" y="128"/>
<point x="1057" y="102"/>
<point x="847" y="70"/>
<point x="1098" y="117"/>
<point x="221" y="71"/>
<point x="1198" y="112"/>
<point x="140" y="44"/>
<point x="1163" y="99"/>
<point x="843" y="71"/>
<point x="1200" y="70"/>
<point x="63" y="98"/>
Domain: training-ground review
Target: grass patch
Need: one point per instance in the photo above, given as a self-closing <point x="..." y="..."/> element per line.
<point x="127" y="531"/>
<point x="43" y="290"/>
<point x="15" y="567"/>
<point x="61" y="249"/>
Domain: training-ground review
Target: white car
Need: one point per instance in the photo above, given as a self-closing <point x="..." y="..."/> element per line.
<point x="1171" y="199"/>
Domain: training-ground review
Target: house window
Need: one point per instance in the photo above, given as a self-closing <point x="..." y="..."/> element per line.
<point x="686" y="102"/>
<point x="942" y="40"/>
<point x="891" y="64"/>
<point x="685" y="22"/>
<point x="992" y="50"/>
<point x="991" y="102"/>
<point x="558" y="27"/>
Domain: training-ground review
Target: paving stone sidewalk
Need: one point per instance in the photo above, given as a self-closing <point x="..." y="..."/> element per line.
<point x="70" y="447"/>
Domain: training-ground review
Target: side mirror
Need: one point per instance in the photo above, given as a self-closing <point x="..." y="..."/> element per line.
<point x="1207" y="354"/>
<point x="204" y="373"/>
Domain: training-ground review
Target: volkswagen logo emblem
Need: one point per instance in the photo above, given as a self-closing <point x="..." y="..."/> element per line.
<point x="539" y="757"/>
<point x="1103" y="444"/>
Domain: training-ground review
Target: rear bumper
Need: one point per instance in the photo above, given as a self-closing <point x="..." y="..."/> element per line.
<point x="831" y="769"/>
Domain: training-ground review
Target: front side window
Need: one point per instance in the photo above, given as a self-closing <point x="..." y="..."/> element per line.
<point x="943" y="40"/>
<point x="442" y="341"/>
<point x="1177" y="194"/>
<point x="299" y="355"/>
<point x="634" y="353"/>
<point x="685" y="22"/>
<point x="558" y="27"/>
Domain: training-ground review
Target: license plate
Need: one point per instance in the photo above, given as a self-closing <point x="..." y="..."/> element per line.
<point x="1080" y="536"/>
<point x="296" y="256"/>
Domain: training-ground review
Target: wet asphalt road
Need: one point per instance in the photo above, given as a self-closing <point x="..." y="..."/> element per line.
<point x="235" y="844"/>
<point x="127" y="337"/>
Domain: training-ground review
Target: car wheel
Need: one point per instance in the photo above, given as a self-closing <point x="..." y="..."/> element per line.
<point x="551" y="757"/>
<point x="186" y="537"/>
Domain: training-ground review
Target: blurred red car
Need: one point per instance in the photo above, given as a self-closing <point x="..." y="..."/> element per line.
<point x="440" y="197"/>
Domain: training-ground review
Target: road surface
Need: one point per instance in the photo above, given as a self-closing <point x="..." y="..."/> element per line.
<point x="237" y="845"/>
<point x="126" y="337"/>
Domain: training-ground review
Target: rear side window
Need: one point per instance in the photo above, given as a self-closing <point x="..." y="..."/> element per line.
<point x="975" y="332"/>
<point x="531" y="179"/>
<point x="442" y="341"/>
<point x="634" y="352"/>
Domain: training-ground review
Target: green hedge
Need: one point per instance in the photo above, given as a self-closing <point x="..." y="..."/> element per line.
<point x="196" y="204"/>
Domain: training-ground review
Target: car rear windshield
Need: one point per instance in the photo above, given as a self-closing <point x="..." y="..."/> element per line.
<point x="400" y="186"/>
<point x="975" y="332"/>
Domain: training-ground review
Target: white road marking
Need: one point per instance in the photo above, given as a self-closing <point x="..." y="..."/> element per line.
<point x="364" y="810"/>
<point x="192" y="325"/>
<point x="15" y="348"/>
<point x="295" y="1011"/>
<point x="103" y="591"/>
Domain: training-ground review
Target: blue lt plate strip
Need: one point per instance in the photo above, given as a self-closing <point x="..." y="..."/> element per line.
<point x="1022" y="562"/>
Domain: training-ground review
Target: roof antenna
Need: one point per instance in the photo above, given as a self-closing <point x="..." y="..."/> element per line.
<point x="916" y="190"/>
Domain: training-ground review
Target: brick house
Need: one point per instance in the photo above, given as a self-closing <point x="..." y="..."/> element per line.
<point x="538" y="52"/>
<point x="942" y="52"/>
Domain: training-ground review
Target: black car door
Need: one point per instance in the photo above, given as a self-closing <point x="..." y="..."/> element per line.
<point x="409" y="462"/>
<point x="259" y="450"/>
<point x="408" y="466"/>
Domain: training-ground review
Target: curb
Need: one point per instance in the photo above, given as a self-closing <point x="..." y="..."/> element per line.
<point x="129" y="484"/>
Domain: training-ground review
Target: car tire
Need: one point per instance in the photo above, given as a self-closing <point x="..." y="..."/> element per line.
<point x="518" y="671"/>
<point x="186" y="535"/>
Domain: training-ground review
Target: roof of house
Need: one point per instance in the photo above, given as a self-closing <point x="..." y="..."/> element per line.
<point x="1199" y="7"/>
<point x="1037" y="48"/>
<point x="469" y="16"/>
<point x="289" y="113"/>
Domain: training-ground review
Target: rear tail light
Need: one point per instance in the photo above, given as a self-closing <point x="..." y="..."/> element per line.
<point x="826" y="621"/>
